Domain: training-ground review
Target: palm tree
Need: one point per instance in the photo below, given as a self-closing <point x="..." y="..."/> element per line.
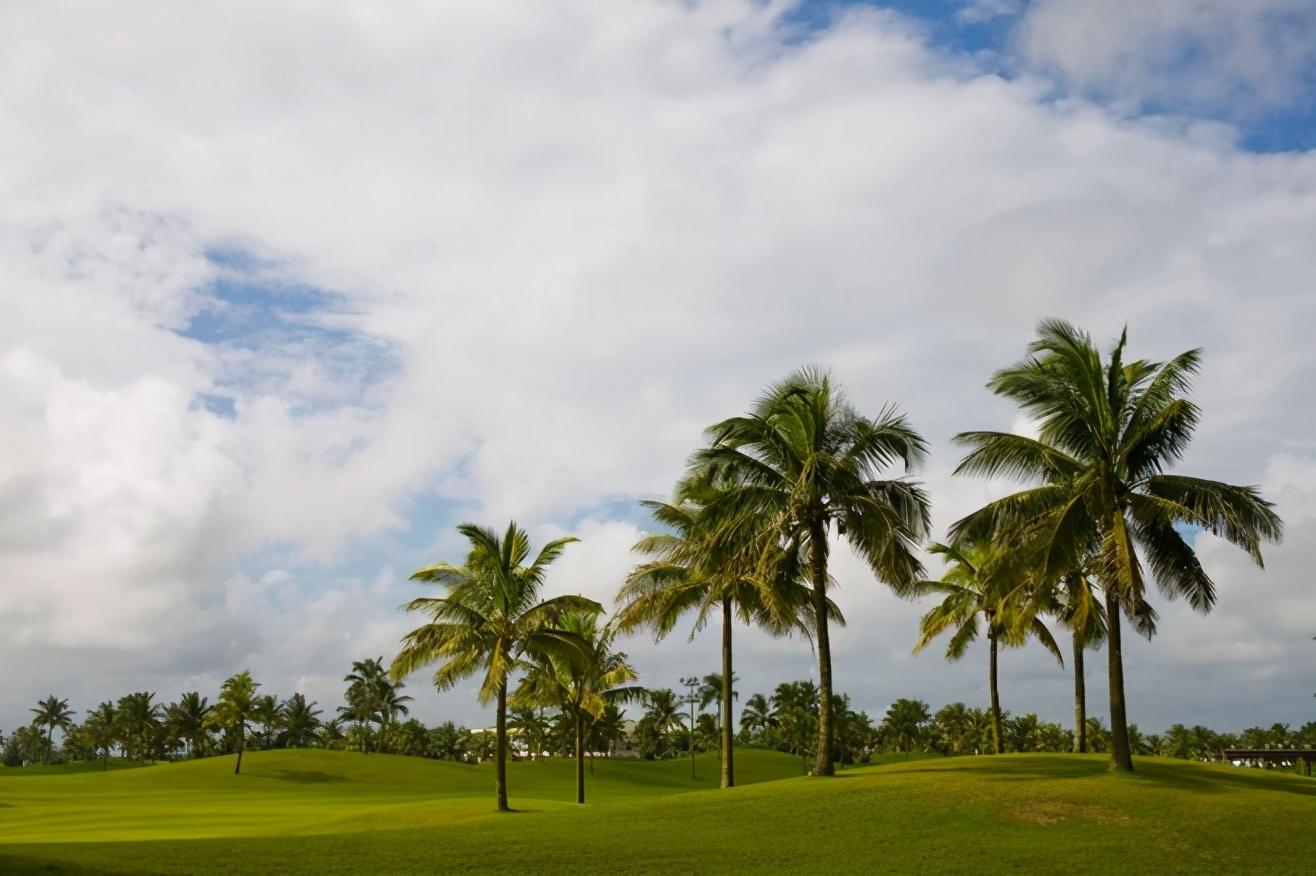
<point x="51" y="713"/>
<point x="795" y="714"/>
<point x="698" y="569"/>
<point x="608" y="729"/>
<point x="187" y="719"/>
<point x="801" y="463"/>
<point x="756" y="718"/>
<point x="301" y="720"/>
<point x="663" y="712"/>
<point x="980" y="581"/>
<point x="138" y="719"/>
<point x="267" y="711"/>
<point x="905" y="723"/>
<point x="100" y="725"/>
<point x="489" y="620"/>
<point x="365" y="695"/>
<point x="1107" y="433"/>
<point x="235" y="708"/>
<point x="528" y="721"/>
<point x="582" y="685"/>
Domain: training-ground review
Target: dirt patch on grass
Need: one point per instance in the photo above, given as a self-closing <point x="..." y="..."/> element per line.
<point x="1056" y="811"/>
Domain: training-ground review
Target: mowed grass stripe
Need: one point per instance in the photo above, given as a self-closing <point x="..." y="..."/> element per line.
<point x="1050" y="813"/>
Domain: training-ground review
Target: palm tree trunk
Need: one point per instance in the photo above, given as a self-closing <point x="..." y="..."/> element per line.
<point x="500" y="748"/>
<point x="1080" y="697"/>
<point x="242" y="744"/>
<point x="995" y="693"/>
<point x="822" y="765"/>
<point x="728" y="758"/>
<point x="1121" y="758"/>
<point x="580" y="758"/>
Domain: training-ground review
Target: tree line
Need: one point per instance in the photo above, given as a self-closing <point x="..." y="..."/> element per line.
<point x="747" y="536"/>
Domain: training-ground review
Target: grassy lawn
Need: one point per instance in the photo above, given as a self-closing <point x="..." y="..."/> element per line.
<point x="313" y="811"/>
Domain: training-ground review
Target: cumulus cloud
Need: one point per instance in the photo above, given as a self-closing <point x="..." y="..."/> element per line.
<point x="547" y="249"/>
<point x="1242" y="56"/>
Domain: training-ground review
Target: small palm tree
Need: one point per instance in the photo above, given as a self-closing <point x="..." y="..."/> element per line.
<point x="267" y="711"/>
<point x="1107" y="433"/>
<point x="490" y="619"/>
<point x="663" y="712"/>
<point x="756" y="718"/>
<point x="137" y="718"/>
<point x="301" y="720"/>
<point x="50" y="713"/>
<point x="582" y="685"/>
<point x="235" y="709"/>
<point x="980" y="582"/>
<point x="802" y="465"/>
<point x="695" y="568"/>
<point x="101" y="726"/>
<point x="187" y="720"/>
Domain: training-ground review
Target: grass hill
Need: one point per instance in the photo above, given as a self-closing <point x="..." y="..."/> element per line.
<point x="316" y="811"/>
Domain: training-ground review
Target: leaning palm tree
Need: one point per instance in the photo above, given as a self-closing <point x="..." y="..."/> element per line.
<point x="1107" y="433"/>
<point x="981" y="582"/>
<point x="802" y="464"/>
<point x="490" y="619"/>
<point x="581" y="684"/>
<point x="694" y="569"/>
<point x="50" y="713"/>
<point x="234" y="710"/>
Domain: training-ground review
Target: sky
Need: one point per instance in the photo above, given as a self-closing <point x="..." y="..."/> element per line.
<point x="289" y="290"/>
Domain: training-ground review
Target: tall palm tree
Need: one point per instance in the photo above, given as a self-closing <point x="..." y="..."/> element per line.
<point x="187" y="720"/>
<point x="235" y="709"/>
<point x="489" y="620"/>
<point x="801" y="464"/>
<point x="50" y="713"/>
<point x="697" y="569"/>
<point x="1107" y="433"/>
<point x="981" y="581"/>
<point x="581" y="684"/>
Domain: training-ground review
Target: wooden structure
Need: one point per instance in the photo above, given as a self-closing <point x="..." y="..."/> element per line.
<point x="1305" y="756"/>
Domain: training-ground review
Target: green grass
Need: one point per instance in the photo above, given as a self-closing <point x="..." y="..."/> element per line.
<point x="312" y="811"/>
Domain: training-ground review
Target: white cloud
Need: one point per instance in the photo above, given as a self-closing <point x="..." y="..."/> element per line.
<point x="1239" y="55"/>
<point x="558" y="244"/>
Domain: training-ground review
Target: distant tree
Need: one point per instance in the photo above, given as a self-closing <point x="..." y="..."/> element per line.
<point x="50" y="713"/>
<point x="756" y="719"/>
<point x="101" y="726"/>
<point x="905" y="724"/>
<point x="662" y="718"/>
<point x="186" y="721"/>
<point x="137" y="718"/>
<point x="795" y="717"/>
<point x="267" y="711"/>
<point x="489" y="621"/>
<point x="301" y="721"/>
<point x="235" y="710"/>
<point x="530" y="724"/>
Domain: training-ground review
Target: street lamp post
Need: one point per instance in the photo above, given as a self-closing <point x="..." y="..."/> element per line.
<point x="691" y="684"/>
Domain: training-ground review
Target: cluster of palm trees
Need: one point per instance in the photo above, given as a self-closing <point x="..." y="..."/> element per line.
<point x="749" y="532"/>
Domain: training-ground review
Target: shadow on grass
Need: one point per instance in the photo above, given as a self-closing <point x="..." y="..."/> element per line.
<point x="309" y="777"/>
<point x="1185" y="775"/>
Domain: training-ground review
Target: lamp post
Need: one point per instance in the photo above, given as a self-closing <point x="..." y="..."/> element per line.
<point x="691" y="684"/>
